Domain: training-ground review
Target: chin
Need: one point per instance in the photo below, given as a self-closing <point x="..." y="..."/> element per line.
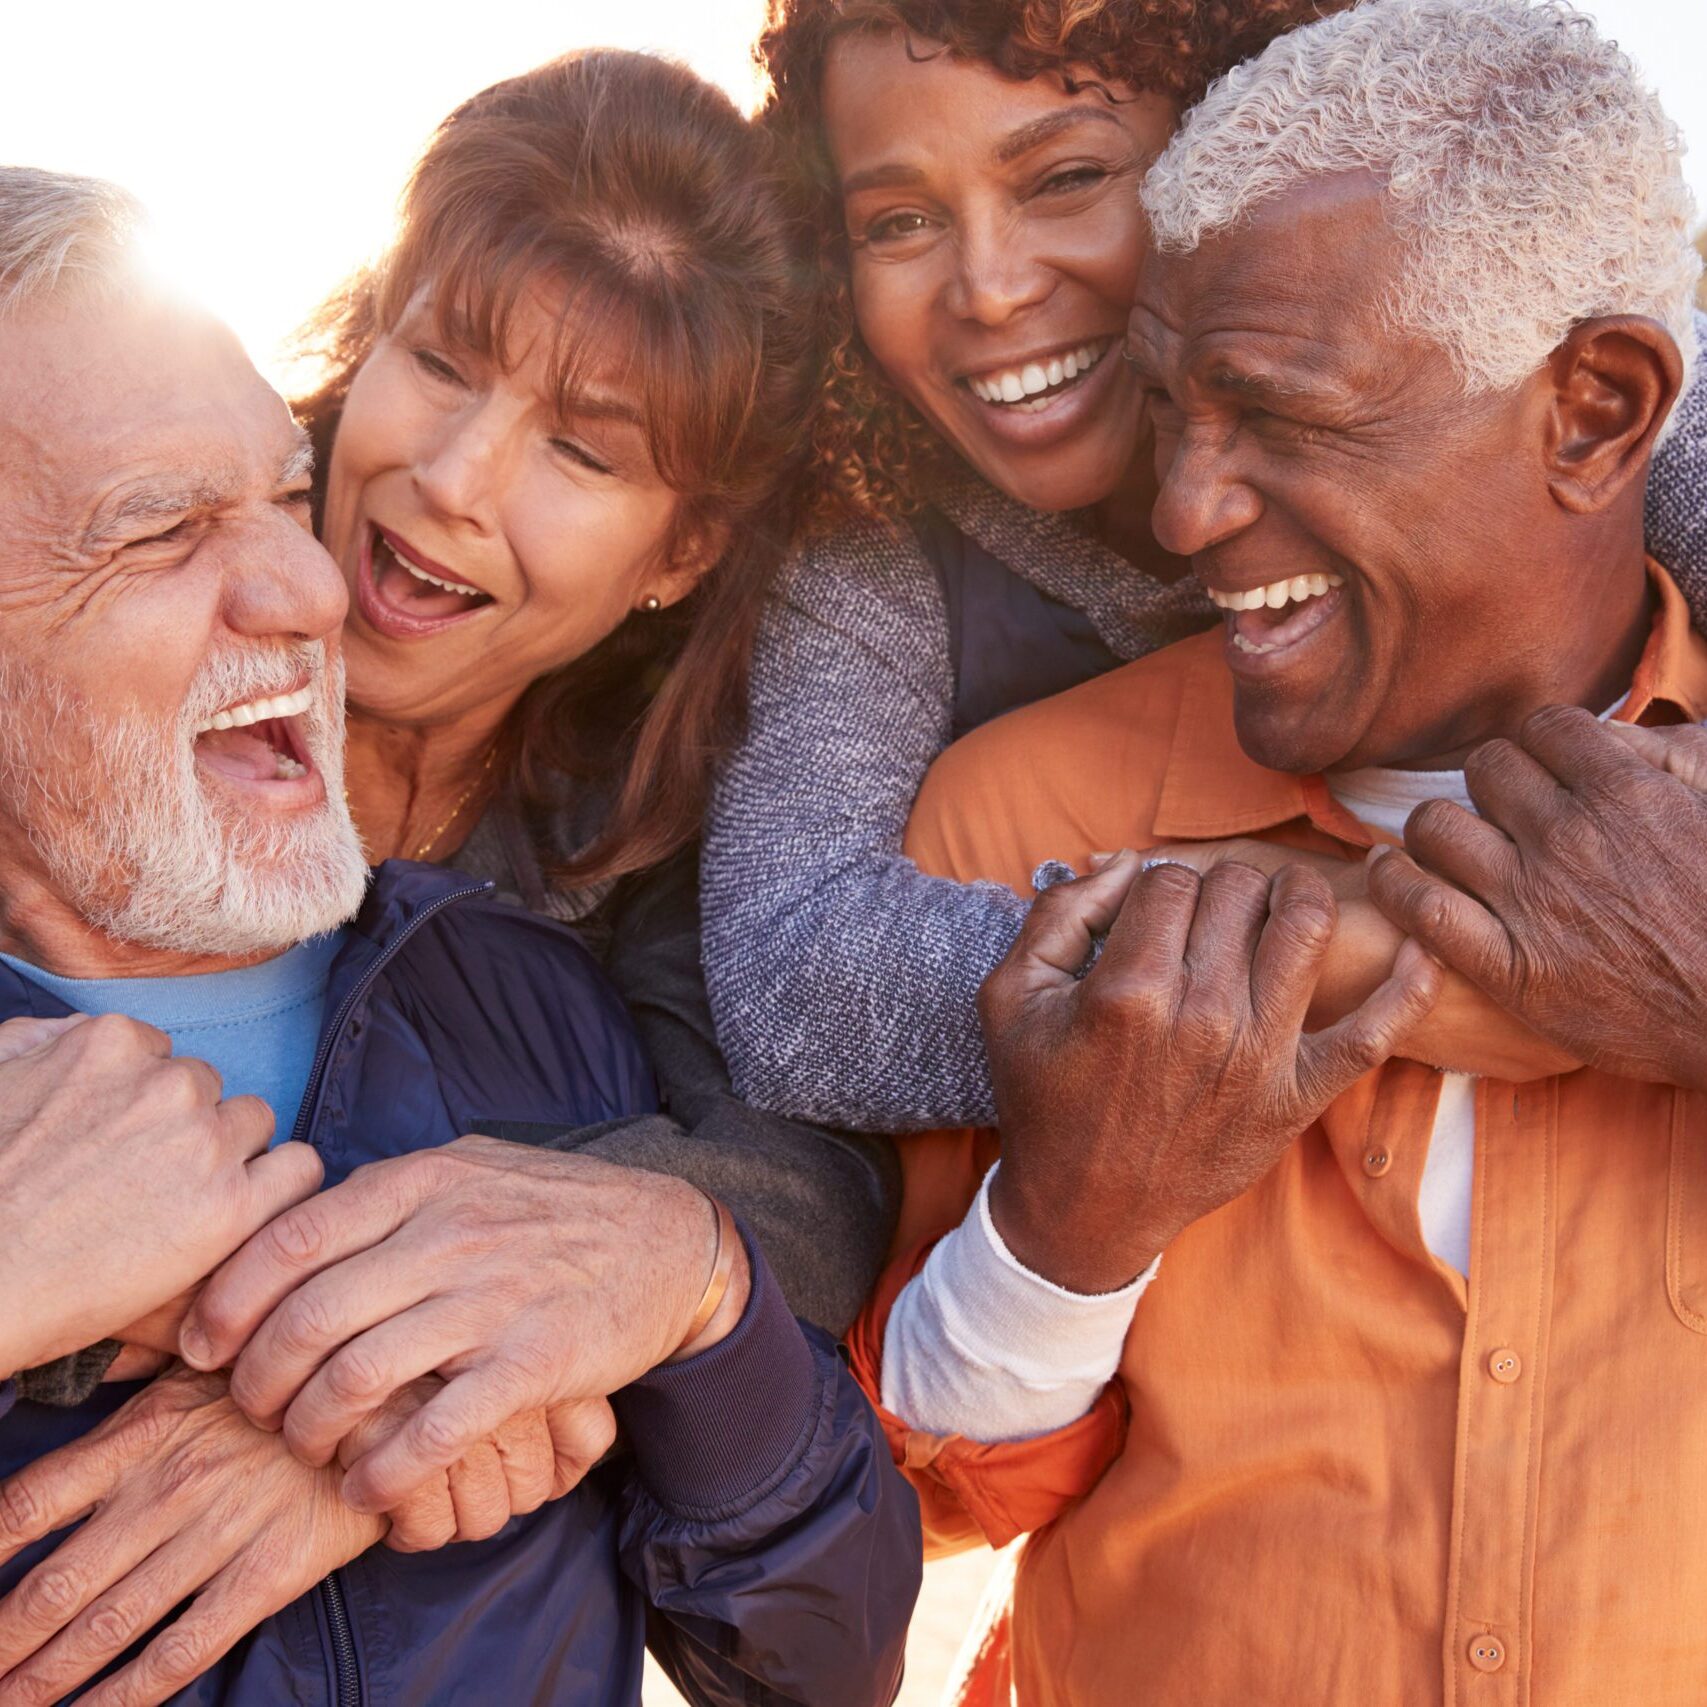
<point x="1300" y="744"/>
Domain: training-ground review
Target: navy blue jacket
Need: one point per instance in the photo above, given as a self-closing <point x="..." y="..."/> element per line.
<point x="758" y="1536"/>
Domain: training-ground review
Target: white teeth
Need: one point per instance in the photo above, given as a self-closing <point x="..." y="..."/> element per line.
<point x="434" y="581"/>
<point x="259" y="711"/>
<point x="1245" y="645"/>
<point x="1013" y="385"/>
<point x="1277" y="593"/>
<point x="289" y="769"/>
<point x="421" y="574"/>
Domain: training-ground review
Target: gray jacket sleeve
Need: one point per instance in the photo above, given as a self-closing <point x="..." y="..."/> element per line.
<point x="821" y="1204"/>
<point x="1677" y="492"/>
<point x="843" y="980"/>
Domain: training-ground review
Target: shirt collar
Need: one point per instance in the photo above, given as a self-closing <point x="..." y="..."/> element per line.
<point x="1213" y="788"/>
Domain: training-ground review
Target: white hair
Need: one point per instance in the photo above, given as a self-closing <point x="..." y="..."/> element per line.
<point x="116" y="811"/>
<point x="1534" y="178"/>
<point x="63" y="236"/>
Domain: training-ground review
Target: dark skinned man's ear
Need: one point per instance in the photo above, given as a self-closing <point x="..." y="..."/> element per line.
<point x="1614" y="383"/>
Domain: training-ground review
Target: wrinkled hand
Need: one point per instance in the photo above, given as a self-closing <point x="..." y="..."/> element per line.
<point x="1174" y="1074"/>
<point x="527" y="1278"/>
<point x="1345" y="877"/>
<point x="123" y="1179"/>
<point x="1578" y="900"/>
<point x="531" y="1458"/>
<point x="188" y="1498"/>
<point x="191" y="1499"/>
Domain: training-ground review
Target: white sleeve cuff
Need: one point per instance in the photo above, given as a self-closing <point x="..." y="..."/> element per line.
<point x="979" y="1345"/>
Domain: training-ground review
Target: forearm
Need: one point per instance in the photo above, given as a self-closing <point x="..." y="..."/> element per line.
<point x="842" y="979"/>
<point x="821" y="1205"/>
<point x="763" y="1485"/>
<point x="1465" y="1032"/>
<point x="980" y="1346"/>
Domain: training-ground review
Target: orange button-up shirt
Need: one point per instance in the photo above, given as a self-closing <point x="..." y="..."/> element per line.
<point x="1331" y="1471"/>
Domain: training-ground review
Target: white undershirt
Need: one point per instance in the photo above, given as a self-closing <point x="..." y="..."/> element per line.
<point x="978" y="1345"/>
<point x="1384" y="799"/>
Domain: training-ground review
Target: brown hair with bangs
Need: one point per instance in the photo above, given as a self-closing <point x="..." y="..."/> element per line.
<point x="872" y="453"/>
<point x="639" y="198"/>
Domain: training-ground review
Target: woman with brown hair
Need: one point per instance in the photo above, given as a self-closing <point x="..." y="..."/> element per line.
<point x="983" y="480"/>
<point x="558" y="434"/>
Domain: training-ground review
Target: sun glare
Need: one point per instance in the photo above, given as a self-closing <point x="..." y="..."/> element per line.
<point x="270" y="143"/>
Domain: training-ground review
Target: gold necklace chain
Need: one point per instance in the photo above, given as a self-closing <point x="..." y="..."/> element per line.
<point x="463" y="799"/>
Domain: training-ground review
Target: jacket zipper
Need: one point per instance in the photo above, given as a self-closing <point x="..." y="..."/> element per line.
<point x="329" y="1038"/>
<point x="347" y="1674"/>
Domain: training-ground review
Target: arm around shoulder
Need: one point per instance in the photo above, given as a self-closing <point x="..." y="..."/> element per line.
<point x="842" y="979"/>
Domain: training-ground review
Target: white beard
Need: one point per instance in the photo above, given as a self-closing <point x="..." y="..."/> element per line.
<point x="139" y="850"/>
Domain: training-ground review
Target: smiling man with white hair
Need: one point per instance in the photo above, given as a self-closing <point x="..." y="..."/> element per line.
<point x="191" y="954"/>
<point x="1415" y="1406"/>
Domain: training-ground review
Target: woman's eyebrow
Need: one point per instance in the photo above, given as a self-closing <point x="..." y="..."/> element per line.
<point x="891" y="177"/>
<point x="1047" y="128"/>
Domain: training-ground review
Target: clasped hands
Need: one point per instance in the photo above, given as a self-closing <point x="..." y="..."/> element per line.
<point x="1243" y="986"/>
<point x="426" y="1349"/>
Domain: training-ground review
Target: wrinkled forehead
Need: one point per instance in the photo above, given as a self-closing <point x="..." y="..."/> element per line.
<point x="1305" y="280"/>
<point x="97" y="401"/>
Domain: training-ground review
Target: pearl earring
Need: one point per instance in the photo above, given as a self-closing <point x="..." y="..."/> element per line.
<point x="651" y="604"/>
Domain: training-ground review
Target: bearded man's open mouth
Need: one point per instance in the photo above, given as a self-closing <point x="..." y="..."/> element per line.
<point x="261" y="745"/>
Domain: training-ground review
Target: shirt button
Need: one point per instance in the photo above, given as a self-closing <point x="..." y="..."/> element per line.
<point x="1487" y="1653"/>
<point x="1377" y="1161"/>
<point x="1505" y="1366"/>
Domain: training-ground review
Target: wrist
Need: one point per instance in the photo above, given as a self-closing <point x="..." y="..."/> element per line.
<point x="1070" y="1250"/>
<point x="722" y="1298"/>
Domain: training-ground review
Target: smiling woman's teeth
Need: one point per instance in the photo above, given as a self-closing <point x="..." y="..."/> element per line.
<point x="434" y="581"/>
<point x="1016" y="385"/>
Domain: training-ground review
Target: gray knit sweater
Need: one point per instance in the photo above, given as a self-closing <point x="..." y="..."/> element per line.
<point x="842" y="979"/>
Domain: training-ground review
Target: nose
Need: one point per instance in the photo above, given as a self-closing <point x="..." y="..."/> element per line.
<point x="282" y="584"/>
<point x="995" y="277"/>
<point x="1202" y="501"/>
<point x="456" y="471"/>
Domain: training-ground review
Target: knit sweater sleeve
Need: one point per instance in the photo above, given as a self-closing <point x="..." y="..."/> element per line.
<point x="842" y="979"/>
<point x="1677" y="492"/>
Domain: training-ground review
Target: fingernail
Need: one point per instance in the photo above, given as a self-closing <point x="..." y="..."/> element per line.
<point x="1099" y="860"/>
<point x="1379" y="851"/>
<point x="1161" y="860"/>
<point x="194" y="1348"/>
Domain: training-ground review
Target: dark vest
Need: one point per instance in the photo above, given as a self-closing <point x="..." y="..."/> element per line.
<point x="1009" y="643"/>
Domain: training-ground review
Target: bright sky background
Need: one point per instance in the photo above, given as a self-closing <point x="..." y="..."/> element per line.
<point x="271" y="140"/>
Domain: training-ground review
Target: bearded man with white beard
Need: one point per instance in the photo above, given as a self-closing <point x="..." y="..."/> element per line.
<point x="190" y="945"/>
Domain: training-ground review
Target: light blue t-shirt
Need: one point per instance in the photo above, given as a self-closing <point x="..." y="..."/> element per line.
<point x="257" y="1026"/>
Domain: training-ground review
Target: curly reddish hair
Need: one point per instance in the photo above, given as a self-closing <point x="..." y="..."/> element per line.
<point x="871" y="451"/>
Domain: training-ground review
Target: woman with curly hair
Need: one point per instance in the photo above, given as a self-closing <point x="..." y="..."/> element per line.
<point x="983" y="487"/>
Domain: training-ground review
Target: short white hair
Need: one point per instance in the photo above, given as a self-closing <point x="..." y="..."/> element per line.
<point x="1534" y="177"/>
<point x="64" y="236"/>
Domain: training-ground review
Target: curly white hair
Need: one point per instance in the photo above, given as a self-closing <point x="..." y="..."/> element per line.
<point x="1534" y="177"/>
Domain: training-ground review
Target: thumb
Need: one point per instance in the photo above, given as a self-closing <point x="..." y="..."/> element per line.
<point x="1331" y="1061"/>
<point x="1055" y="940"/>
<point x="20" y="1036"/>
